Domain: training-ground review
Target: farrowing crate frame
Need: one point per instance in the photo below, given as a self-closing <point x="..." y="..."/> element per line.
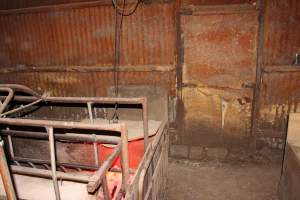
<point x="150" y="178"/>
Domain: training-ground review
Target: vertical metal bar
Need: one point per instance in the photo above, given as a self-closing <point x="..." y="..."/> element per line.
<point x="259" y="71"/>
<point x="5" y="175"/>
<point x="10" y="145"/>
<point x="124" y="158"/>
<point x="53" y="161"/>
<point x="96" y="155"/>
<point x="11" y="148"/>
<point x="145" y="124"/>
<point x="7" y="99"/>
<point x="89" y="106"/>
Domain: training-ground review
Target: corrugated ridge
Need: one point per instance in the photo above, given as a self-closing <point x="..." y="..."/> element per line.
<point x="85" y="36"/>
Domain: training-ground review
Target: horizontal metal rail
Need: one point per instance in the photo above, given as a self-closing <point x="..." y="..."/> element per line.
<point x="121" y="148"/>
<point x="66" y="136"/>
<point x="21" y="88"/>
<point x="60" y="164"/>
<point x="86" y="100"/>
<point x="47" y="162"/>
<point x="47" y="174"/>
<point x="62" y="124"/>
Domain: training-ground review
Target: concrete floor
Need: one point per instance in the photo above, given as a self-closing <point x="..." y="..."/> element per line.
<point x="217" y="181"/>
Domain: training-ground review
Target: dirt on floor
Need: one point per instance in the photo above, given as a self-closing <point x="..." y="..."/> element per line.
<point x="222" y="181"/>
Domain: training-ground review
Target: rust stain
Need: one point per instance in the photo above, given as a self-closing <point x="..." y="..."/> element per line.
<point x="203" y="115"/>
<point x="219" y="59"/>
<point x="220" y="49"/>
<point x="85" y="36"/>
<point x="214" y="2"/>
<point x="281" y="32"/>
<point x="279" y="97"/>
<point x="88" y="84"/>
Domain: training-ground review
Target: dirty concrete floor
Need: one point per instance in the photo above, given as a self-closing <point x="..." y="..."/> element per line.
<point x="217" y="181"/>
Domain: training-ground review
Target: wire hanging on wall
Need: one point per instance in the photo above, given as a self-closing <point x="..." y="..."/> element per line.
<point x="126" y="12"/>
<point x="120" y="12"/>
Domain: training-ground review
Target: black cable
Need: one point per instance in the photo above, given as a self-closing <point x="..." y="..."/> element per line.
<point x="121" y="11"/>
<point x="118" y="35"/>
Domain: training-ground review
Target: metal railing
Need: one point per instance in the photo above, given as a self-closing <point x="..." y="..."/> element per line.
<point x="149" y="181"/>
<point x="94" y="181"/>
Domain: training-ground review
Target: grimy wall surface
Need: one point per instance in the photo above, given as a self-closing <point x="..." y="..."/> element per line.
<point x="204" y="57"/>
<point x="218" y="47"/>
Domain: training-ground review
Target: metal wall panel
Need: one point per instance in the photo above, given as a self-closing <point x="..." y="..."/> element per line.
<point x="213" y="2"/>
<point x="89" y="83"/>
<point x="282" y="31"/>
<point x="219" y="62"/>
<point x="279" y="96"/>
<point x="16" y="4"/>
<point x="220" y="49"/>
<point x="85" y="36"/>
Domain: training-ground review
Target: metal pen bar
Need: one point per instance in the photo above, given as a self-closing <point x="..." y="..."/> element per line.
<point x="83" y="100"/>
<point x="96" y="158"/>
<point x="145" y="124"/>
<point x="21" y="88"/>
<point x="21" y="108"/>
<point x="6" y="98"/>
<point x="96" y="155"/>
<point x="66" y="136"/>
<point x="47" y="162"/>
<point x="60" y="124"/>
<point x="10" y="146"/>
<point x="90" y="100"/>
<point x="152" y="148"/>
<point x="48" y="174"/>
<point x="53" y="161"/>
<point x="97" y="178"/>
<point x="124" y="158"/>
<point x="5" y="175"/>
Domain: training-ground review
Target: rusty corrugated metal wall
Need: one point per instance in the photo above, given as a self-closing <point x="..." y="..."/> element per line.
<point x="84" y="36"/>
<point x="87" y="83"/>
<point x="16" y="4"/>
<point x="282" y="31"/>
<point x="217" y="71"/>
<point x="218" y="67"/>
<point x="279" y="93"/>
<point x="214" y="2"/>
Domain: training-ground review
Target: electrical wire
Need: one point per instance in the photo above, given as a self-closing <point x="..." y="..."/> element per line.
<point x="126" y="12"/>
<point x="118" y="36"/>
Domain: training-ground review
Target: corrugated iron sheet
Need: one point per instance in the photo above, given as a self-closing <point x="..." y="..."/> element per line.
<point x="87" y="84"/>
<point x="219" y="61"/>
<point x="213" y="2"/>
<point x="280" y="95"/>
<point x="15" y="4"/>
<point x="85" y="36"/>
<point x="282" y="32"/>
<point x="220" y="49"/>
